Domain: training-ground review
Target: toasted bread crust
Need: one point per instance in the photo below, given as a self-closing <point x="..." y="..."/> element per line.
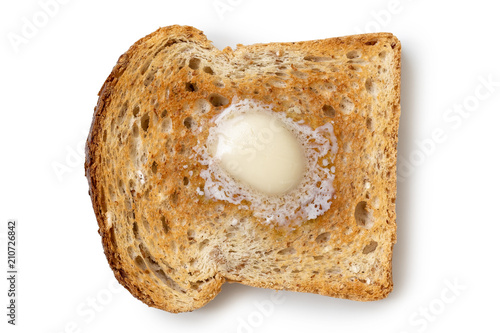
<point x="379" y="144"/>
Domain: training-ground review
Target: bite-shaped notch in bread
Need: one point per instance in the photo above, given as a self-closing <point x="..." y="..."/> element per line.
<point x="271" y="165"/>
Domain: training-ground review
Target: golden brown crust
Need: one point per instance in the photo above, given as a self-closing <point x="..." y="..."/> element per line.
<point x="367" y="136"/>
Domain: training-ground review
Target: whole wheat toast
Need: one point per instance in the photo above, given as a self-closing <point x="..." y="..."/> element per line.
<point x="170" y="245"/>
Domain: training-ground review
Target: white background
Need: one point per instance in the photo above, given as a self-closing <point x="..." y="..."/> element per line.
<point x="448" y="189"/>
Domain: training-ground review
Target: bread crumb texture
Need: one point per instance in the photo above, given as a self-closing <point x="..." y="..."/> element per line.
<point x="170" y="245"/>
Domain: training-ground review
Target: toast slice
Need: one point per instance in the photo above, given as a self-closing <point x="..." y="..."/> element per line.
<point x="173" y="247"/>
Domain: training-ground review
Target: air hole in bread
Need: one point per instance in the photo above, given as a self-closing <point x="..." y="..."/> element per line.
<point x="328" y="111"/>
<point x="191" y="87"/>
<point x="104" y="204"/>
<point x="299" y="75"/>
<point x="149" y="78"/>
<point x="164" y="224"/>
<point x="121" y="186"/>
<point x="322" y="238"/>
<point x="382" y="55"/>
<point x="217" y="256"/>
<point x="287" y="251"/>
<point x="219" y="83"/>
<point x="333" y="69"/>
<point x="193" y="262"/>
<point x="189" y="123"/>
<point x="164" y="113"/>
<point x="123" y="110"/>
<point x="145" y="223"/>
<point x="353" y="54"/>
<point x="194" y="63"/>
<point x="369" y="124"/>
<point x="185" y="181"/>
<point x="371" y="42"/>
<point x="166" y="125"/>
<point x="208" y="70"/>
<point x="135" y="230"/>
<point x="203" y="244"/>
<point x="145" y="67"/>
<point x="346" y="105"/>
<point x="174" y="197"/>
<point x="168" y="281"/>
<point x="140" y="263"/>
<point x="202" y="106"/>
<point x="194" y="285"/>
<point x="136" y="110"/>
<point x="112" y="237"/>
<point x="151" y="263"/>
<point x="362" y="215"/>
<point x="131" y="185"/>
<point x="333" y="271"/>
<point x="217" y="100"/>
<point x="354" y="68"/>
<point x="191" y="236"/>
<point x="154" y="167"/>
<point x="318" y="257"/>
<point x="135" y="133"/>
<point x="145" y="122"/>
<point x="181" y="149"/>
<point x="317" y="59"/>
<point x="277" y="83"/>
<point x="360" y="61"/>
<point x="370" y="247"/>
<point x="371" y="87"/>
<point x="131" y="252"/>
<point x="111" y="193"/>
<point x="105" y="135"/>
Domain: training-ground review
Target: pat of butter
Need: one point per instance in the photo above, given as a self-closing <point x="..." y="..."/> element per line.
<point x="258" y="150"/>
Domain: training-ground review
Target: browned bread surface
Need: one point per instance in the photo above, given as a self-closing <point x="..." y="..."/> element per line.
<point x="172" y="247"/>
